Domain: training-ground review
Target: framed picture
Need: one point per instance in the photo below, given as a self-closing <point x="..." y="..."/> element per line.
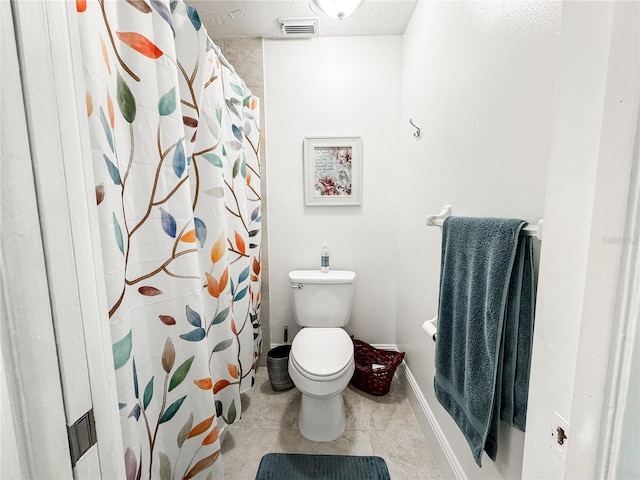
<point x="332" y="171"/>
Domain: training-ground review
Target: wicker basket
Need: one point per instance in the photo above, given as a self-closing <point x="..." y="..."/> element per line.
<point x="374" y="368"/>
<point x="278" y="368"/>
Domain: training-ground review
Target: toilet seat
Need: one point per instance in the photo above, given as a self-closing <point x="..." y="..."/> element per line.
<point x="322" y="354"/>
<point x="320" y="378"/>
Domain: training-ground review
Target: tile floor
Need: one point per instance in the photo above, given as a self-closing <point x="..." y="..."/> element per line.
<point x="383" y="426"/>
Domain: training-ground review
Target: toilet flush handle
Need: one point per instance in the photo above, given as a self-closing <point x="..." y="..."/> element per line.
<point x="297" y="285"/>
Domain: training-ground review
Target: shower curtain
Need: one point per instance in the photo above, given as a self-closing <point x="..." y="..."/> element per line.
<point x="174" y="135"/>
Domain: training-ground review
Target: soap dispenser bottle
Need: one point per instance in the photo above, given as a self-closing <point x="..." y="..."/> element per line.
<point x="324" y="258"/>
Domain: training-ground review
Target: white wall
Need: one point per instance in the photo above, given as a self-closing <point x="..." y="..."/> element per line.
<point x="478" y="78"/>
<point x="627" y="464"/>
<point x="9" y="454"/>
<point x="345" y="86"/>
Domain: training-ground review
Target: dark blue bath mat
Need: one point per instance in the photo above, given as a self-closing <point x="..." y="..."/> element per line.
<point x="292" y="466"/>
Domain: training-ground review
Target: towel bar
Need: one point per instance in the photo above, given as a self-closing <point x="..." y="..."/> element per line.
<point x="437" y="221"/>
<point x="429" y="326"/>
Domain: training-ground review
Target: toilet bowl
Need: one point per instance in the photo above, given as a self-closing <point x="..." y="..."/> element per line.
<point x="321" y="362"/>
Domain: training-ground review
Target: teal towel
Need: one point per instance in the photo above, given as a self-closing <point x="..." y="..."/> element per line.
<point x="485" y="327"/>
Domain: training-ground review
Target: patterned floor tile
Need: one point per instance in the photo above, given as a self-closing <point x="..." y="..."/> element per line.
<point x="242" y="450"/>
<point x="351" y="442"/>
<point x="406" y="452"/>
<point x="383" y="426"/>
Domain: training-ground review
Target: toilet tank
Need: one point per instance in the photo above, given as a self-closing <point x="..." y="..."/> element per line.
<point x="322" y="299"/>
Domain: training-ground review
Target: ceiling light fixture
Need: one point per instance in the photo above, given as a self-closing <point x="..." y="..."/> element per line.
<point x="338" y="8"/>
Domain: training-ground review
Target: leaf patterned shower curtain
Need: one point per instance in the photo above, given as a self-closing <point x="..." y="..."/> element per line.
<point x="174" y="135"/>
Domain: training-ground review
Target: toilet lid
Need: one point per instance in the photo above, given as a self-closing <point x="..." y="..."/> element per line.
<point x="322" y="351"/>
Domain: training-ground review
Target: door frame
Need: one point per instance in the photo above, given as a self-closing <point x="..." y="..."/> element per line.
<point x="621" y="378"/>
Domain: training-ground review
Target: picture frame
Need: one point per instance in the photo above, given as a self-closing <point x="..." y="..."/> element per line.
<point x="332" y="171"/>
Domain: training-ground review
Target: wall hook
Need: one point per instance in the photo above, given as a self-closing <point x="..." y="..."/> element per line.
<point x="417" y="133"/>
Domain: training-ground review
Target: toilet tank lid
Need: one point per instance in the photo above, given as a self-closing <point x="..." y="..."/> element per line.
<point x="316" y="276"/>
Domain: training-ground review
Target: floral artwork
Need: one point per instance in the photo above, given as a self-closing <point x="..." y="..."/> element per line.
<point x="174" y="138"/>
<point x="333" y="171"/>
<point x="332" y="167"/>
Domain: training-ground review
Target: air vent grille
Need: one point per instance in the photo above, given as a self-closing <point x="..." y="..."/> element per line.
<point x="299" y="27"/>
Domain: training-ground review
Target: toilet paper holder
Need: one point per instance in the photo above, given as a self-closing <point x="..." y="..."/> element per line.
<point x="430" y="326"/>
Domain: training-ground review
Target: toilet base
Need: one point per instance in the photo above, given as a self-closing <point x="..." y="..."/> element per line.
<point x="321" y="419"/>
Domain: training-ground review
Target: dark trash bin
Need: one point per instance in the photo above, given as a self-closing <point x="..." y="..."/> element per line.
<point x="278" y="368"/>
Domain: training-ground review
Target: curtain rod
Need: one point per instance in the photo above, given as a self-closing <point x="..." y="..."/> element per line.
<point x="222" y="58"/>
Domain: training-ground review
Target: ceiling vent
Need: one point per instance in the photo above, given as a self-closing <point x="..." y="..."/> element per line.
<point x="299" y="27"/>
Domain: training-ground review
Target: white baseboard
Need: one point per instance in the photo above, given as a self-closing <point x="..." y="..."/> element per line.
<point x="442" y="451"/>
<point x="385" y="346"/>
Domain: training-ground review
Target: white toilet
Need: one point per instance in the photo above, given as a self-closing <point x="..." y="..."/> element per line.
<point x="321" y="362"/>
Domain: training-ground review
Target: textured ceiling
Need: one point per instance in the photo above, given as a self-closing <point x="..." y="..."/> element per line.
<point x="259" y="18"/>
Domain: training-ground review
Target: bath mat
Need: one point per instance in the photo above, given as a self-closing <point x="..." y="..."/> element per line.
<point x="295" y="466"/>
